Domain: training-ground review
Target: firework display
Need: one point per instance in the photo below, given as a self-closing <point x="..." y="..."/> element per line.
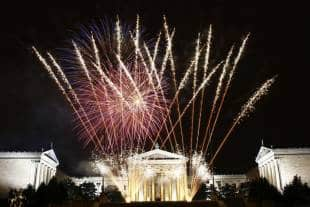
<point x="128" y="95"/>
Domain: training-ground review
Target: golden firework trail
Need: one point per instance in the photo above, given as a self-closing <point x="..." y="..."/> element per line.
<point x="158" y="85"/>
<point x="205" y="70"/>
<point x="196" y="61"/>
<point x="54" y="77"/>
<point x="245" y="111"/>
<point x="156" y="47"/>
<point x="202" y="85"/>
<point x="232" y="72"/>
<point x="216" y="97"/>
<point x="173" y="70"/>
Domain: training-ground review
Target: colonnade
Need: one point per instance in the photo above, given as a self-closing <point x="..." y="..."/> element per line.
<point x="44" y="173"/>
<point x="160" y="186"/>
<point x="270" y="171"/>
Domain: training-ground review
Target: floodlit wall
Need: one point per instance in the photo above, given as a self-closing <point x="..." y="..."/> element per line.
<point x="16" y="173"/>
<point x="291" y="165"/>
<point x="279" y="166"/>
<point x="20" y="169"/>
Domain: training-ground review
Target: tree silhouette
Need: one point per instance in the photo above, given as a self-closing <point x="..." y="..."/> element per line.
<point x="29" y="194"/>
<point x="296" y="193"/>
<point x="113" y="194"/>
<point x="72" y="190"/>
<point x="56" y="191"/>
<point x="41" y="196"/>
<point x="228" y="191"/>
<point x="261" y="189"/>
<point x="87" y="191"/>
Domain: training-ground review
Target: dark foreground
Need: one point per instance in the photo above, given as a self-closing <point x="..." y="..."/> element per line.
<point x="163" y="204"/>
<point x="140" y="204"/>
<point x="230" y="203"/>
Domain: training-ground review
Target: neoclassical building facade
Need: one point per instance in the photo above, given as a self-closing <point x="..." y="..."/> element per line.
<point x="153" y="175"/>
<point x="19" y="169"/>
<point x="280" y="165"/>
<point x="157" y="175"/>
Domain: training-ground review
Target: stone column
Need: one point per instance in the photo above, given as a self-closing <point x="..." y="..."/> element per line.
<point x="278" y="178"/>
<point x="42" y="179"/>
<point x="39" y="175"/>
<point x="274" y="180"/>
<point x="271" y="173"/>
<point x="45" y="174"/>
<point x="161" y="189"/>
<point x="268" y="172"/>
<point x="48" y="177"/>
<point x="264" y="171"/>
<point x="153" y="189"/>
<point x="260" y="170"/>
<point x="49" y="174"/>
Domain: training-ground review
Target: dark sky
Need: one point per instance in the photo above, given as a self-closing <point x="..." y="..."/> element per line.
<point x="33" y="112"/>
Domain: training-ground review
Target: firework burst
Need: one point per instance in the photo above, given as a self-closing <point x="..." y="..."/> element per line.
<point x="128" y="112"/>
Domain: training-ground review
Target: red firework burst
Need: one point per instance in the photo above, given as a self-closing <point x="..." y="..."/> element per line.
<point x="126" y="110"/>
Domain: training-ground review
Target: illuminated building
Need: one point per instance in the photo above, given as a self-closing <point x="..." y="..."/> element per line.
<point x="280" y="165"/>
<point x="19" y="169"/>
<point x="157" y="175"/>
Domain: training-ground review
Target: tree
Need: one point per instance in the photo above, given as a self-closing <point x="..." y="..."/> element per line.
<point x="56" y="191"/>
<point x="87" y="191"/>
<point x="113" y="194"/>
<point x="228" y="191"/>
<point x="16" y="198"/>
<point x="72" y="189"/>
<point x="41" y="196"/>
<point x="29" y="196"/>
<point x="296" y="193"/>
<point x="244" y="189"/>
<point x="261" y="189"/>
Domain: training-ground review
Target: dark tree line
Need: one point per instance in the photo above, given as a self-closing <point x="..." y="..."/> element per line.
<point x="55" y="192"/>
<point x="294" y="194"/>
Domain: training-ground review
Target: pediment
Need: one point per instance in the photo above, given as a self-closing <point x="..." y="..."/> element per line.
<point x="262" y="152"/>
<point x="51" y="154"/>
<point x="159" y="154"/>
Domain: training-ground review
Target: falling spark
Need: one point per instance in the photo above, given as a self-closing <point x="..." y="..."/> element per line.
<point x="205" y="69"/>
<point x="196" y="61"/>
<point x="217" y="95"/>
<point x="232" y="72"/>
<point x="54" y="77"/>
<point x="245" y="111"/>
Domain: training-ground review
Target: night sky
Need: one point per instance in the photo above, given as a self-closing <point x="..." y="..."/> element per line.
<point x="34" y="113"/>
